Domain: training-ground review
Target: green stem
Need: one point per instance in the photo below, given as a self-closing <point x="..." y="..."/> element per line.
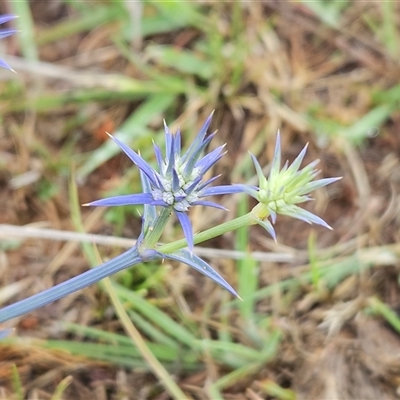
<point x="154" y="233"/>
<point x="219" y="230"/>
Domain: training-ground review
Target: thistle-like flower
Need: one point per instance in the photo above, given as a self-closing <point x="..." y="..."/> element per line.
<point x="4" y="33"/>
<point x="284" y="188"/>
<point x="181" y="255"/>
<point x="178" y="184"/>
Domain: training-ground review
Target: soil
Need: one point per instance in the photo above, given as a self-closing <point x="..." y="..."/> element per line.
<point x="332" y="347"/>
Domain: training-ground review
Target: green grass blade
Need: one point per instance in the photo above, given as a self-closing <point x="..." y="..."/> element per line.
<point x="135" y="126"/>
<point x="271" y="388"/>
<point x="88" y="20"/>
<point x="151" y="331"/>
<point x="181" y="12"/>
<point x="182" y="60"/>
<point x="380" y="308"/>
<point x="366" y="125"/>
<point x="17" y="384"/>
<point x="390" y="30"/>
<point x="234" y="354"/>
<point x="61" y="387"/>
<point x="158" y="317"/>
<point x="334" y="271"/>
<point x="96" y="334"/>
<point x="249" y="368"/>
<point x="214" y="393"/>
<point x="236" y="375"/>
<point x="119" y="355"/>
<point x="104" y="351"/>
<point x="24" y="23"/>
<point x="131" y="90"/>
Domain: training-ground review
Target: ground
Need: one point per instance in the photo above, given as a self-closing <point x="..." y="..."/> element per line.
<point x="319" y="316"/>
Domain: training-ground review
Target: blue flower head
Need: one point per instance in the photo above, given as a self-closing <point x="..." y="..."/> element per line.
<point x="181" y="255"/>
<point x="178" y="183"/>
<point x="6" y="32"/>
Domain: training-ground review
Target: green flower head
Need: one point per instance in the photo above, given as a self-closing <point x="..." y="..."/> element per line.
<point x="284" y="189"/>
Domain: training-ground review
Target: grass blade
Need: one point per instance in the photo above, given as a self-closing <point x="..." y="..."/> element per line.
<point x="158" y="317"/>
<point x="133" y="127"/>
<point x="26" y="35"/>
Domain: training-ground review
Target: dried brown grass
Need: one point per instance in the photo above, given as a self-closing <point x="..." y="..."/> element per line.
<point x="298" y="63"/>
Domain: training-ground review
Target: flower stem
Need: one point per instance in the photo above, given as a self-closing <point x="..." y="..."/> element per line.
<point x="154" y="233"/>
<point x="240" y="222"/>
<point x="72" y="285"/>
